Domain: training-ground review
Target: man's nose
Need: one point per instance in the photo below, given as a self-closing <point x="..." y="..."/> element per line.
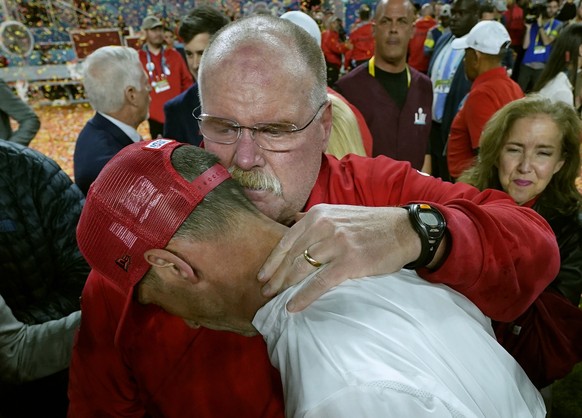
<point x="247" y="151"/>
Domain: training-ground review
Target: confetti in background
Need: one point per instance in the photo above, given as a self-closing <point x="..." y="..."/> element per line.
<point x="53" y="26"/>
<point x="60" y="126"/>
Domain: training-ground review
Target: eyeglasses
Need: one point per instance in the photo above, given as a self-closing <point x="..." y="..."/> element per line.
<point x="269" y="136"/>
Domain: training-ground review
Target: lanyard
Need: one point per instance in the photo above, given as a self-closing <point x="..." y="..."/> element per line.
<point x="548" y="30"/>
<point x="372" y="70"/>
<point x="150" y="66"/>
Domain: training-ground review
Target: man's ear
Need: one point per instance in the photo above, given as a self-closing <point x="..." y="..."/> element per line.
<point x="167" y="264"/>
<point x="131" y="94"/>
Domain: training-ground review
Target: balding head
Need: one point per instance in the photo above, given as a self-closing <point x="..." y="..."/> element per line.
<point x="258" y="41"/>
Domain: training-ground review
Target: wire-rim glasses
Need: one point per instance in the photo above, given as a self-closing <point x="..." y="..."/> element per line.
<point x="268" y="136"/>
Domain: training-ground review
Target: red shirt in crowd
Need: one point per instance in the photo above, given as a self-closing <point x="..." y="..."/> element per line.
<point x="332" y="47"/>
<point x="165" y="86"/>
<point x="416" y="57"/>
<point x="490" y="92"/>
<point x="515" y="24"/>
<point x="362" y="40"/>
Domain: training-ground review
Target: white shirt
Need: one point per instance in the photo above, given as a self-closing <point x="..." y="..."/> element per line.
<point x="559" y="89"/>
<point x="393" y="346"/>
<point x="130" y="131"/>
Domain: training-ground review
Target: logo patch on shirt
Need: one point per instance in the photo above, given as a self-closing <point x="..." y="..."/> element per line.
<point x="420" y="117"/>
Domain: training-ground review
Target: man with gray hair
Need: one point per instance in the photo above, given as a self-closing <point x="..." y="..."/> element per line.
<point x="270" y="128"/>
<point x="117" y="88"/>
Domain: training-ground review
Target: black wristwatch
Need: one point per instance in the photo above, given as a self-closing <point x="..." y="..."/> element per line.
<point x="431" y="226"/>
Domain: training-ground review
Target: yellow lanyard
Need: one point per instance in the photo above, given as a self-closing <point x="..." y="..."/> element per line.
<point x="548" y="31"/>
<point x="372" y="70"/>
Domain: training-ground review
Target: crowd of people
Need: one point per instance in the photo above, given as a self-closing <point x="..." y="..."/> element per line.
<point x="322" y="223"/>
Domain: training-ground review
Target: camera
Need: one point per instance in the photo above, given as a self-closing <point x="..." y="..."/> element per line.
<point x="534" y="11"/>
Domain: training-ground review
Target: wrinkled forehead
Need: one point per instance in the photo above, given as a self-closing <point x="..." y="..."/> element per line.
<point x="263" y="63"/>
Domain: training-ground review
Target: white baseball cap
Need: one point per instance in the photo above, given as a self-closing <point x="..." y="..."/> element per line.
<point x="306" y="22"/>
<point x="446" y="10"/>
<point x="500" y="5"/>
<point x="487" y="36"/>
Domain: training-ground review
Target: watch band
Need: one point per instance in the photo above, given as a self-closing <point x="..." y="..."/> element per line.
<point x="430" y="225"/>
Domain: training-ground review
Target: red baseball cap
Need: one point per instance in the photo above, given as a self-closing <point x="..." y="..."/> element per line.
<point x="137" y="203"/>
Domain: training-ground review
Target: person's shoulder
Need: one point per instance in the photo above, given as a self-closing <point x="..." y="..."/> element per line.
<point x="418" y="76"/>
<point x="353" y="76"/>
<point x="100" y="136"/>
<point x="96" y="128"/>
<point x="184" y="98"/>
<point x="15" y="154"/>
<point x="171" y="52"/>
<point x="354" y="164"/>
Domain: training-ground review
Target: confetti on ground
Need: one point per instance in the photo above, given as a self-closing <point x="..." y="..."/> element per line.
<point x="60" y="126"/>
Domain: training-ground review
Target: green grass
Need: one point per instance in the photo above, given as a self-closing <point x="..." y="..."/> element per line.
<point x="567" y="395"/>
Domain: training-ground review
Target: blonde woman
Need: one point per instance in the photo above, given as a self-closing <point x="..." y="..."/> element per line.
<point x="345" y="135"/>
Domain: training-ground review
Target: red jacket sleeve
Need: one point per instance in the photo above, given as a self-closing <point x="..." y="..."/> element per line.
<point x="502" y="256"/>
<point x="99" y="382"/>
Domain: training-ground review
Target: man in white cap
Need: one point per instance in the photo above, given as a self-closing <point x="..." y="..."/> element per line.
<point x="485" y="46"/>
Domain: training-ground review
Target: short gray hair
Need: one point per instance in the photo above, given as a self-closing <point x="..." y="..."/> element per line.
<point x="300" y="49"/>
<point x="107" y="72"/>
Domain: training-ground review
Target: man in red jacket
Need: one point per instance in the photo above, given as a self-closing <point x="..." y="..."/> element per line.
<point x="147" y="362"/>
<point x="485" y="46"/>
<point x="362" y="39"/>
<point x="334" y="48"/>
<point x="166" y="70"/>
<point x="416" y="56"/>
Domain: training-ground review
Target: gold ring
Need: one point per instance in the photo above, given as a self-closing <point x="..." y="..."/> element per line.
<point x="311" y="260"/>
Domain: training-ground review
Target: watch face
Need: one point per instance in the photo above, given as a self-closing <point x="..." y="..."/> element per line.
<point x="429" y="218"/>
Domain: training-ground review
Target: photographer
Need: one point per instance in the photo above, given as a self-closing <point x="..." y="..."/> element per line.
<point x="541" y="30"/>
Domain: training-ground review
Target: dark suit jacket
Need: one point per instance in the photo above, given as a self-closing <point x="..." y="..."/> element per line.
<point x="97" y="143"/>
<point x="180" y="124"/>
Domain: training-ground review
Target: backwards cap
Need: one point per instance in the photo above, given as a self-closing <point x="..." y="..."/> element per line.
<point x="137" y="203"/>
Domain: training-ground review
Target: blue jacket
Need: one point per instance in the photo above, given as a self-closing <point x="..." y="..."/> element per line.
<point x="97" y="143"/>
<point x="180" y="124"/>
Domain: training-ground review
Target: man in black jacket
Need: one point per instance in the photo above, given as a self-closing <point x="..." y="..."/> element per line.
<point x="42" y="275"/>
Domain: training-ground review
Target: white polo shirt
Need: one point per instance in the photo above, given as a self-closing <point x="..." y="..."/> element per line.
<point x="393" y="346"/>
